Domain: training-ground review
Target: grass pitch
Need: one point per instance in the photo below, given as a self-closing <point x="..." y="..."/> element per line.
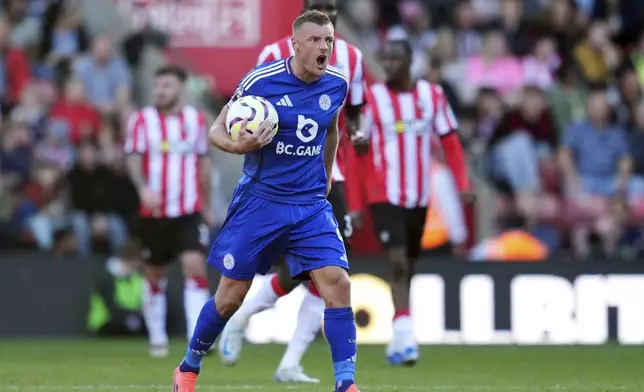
<point x="123" y="365"/>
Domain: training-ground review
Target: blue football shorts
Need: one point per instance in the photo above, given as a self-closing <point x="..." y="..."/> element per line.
<point x="257" y="232"/>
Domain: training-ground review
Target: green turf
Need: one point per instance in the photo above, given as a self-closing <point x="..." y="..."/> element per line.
<point x="93" y="365"/>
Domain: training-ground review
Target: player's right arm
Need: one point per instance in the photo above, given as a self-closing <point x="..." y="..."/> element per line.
<point x="219" y="137"/>
<point x="246" y="141"/>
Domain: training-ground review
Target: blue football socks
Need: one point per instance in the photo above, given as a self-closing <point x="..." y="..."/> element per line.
<point x="340" y="331"/>
<point x="209" y="326"/>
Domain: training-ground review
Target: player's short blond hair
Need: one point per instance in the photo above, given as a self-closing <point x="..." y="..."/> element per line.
<point x="311" y="16"/>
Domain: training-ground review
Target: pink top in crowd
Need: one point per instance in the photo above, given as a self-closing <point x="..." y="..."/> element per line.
<point x="504" y="75"/>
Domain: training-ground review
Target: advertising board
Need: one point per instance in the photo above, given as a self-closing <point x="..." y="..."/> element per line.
<point x="452" y="302"/>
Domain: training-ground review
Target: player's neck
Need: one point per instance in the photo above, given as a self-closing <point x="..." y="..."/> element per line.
<point x="404" y="84"/>
<point x="301" y="73"/>
<point x="168" y="110"/>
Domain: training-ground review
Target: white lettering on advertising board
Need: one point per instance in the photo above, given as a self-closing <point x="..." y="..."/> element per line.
<point x="544" y="309"/>
<point x="200" y="23"/>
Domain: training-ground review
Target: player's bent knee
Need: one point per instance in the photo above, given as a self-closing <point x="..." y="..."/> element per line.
<point x="230" y="295"/>
<point x="193" y="264"/>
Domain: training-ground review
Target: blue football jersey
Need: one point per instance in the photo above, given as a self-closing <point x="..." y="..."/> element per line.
<point x="291" y="168"/>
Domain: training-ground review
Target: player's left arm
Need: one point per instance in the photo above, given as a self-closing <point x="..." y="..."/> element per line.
<point x="330" y="150"/>
<point x="446" y="125"/>
<point x="204" y="169"/>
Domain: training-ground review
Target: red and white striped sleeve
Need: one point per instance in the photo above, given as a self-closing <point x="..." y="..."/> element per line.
<point x="135" y="138"/>
<point x="357" y="86"/>
<point x="270" y="53"/>
<point x="445" y="120"/>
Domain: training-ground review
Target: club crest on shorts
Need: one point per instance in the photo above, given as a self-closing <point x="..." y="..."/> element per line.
<point x="229" y="261"/>
<point x="325" y="102"/>
<point x="384" y="236"/>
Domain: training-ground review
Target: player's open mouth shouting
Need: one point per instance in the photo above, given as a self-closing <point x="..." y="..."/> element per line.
<point x="322" y="61"/>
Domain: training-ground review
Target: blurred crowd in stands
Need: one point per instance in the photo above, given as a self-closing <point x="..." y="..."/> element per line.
<point x="548" y="95"/>
<point x="64" y="96"/>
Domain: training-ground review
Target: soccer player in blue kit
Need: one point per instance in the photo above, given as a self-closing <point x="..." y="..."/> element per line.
<point x="279" y="207"/>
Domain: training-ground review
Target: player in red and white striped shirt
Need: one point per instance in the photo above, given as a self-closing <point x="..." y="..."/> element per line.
<point x="167" y="147"/>
<point x="401" y="117"/>
<point x="347" y="58"/>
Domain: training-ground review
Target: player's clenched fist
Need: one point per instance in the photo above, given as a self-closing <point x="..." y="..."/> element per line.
<point x="248" y="141"/>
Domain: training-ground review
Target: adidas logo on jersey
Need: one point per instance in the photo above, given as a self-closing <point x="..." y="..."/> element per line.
<point x="285" y="101"/>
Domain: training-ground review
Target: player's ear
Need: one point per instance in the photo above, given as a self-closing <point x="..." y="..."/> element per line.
<point x="294" y="43"/>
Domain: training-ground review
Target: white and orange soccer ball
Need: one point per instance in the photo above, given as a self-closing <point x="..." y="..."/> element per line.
<point x="252" y="108"/>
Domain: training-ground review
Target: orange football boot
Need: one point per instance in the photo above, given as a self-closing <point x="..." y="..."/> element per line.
<point x="183" y="381"/>
<point x="346" y="386"/>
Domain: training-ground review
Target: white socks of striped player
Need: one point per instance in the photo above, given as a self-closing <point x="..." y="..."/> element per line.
<point x="309" y="320"/>
<point x="195" y="295"/>
<point x="264" y="298"/>
<point x="154" y="312"/>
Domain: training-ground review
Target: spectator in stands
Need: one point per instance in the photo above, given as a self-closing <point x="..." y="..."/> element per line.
<point x="540" y="65"/>
<point x="105" y="76"/>
<point x="561" y="22"/>
<point x="596" y="56"/>
<point x="624" y="17"/>
<point x="365" y="14"/>
<point x="126" y="201"/>
<point x="73" y="112"/>
<point x="468" y="38"/>
<point x="14" y="70"/>
<point x="637" y="58"/>
<point x="514" y="26"/>
<point x="489" y="111"/>
<point x="45" y="194"/>
<point x="9" y="233"/>
<point x="596" y="164"/>
<point x="25" y="30"/>
<point x="523" y="138"/>
<point x="92" y="187"/>
<point x="31" y="110"/>
<point x="64" y="37"/>
<point x="435" y="76"/>
<point x="15" y="156"/>
<point x="628" y="94"/>
<point x="495" y="67"/>
<point x="453" y="70"/>
<point x="567" y="97"/>
<point x="55" y="146"/>
<point x="636" y="144"/>
<point x="415" y="27"/>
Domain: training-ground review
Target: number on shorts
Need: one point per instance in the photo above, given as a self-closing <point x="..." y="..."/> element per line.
<point x="348" y="226"/>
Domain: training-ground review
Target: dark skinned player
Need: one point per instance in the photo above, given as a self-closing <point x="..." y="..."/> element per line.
<point x="401" y="118"/>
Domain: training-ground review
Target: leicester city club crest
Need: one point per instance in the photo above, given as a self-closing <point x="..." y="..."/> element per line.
<point x="325" y="102"/>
